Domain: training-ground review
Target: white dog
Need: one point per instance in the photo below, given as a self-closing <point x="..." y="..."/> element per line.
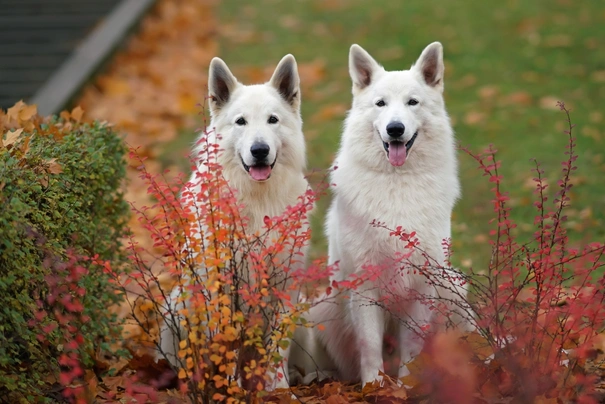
<point x="396" y="165"/>
<point x="259" y="130"/>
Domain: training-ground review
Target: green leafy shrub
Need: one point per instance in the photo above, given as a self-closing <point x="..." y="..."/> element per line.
<point x="59" y="198"/>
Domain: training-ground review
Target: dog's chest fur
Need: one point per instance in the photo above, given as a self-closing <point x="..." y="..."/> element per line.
<point x="417" y="200"/>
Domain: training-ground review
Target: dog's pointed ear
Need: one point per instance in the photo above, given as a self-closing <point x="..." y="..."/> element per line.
<point x="430" y="65"/>
<point x="286" y="81"/>
<point x="221" y="83"/>
<point x="362" y="67"/>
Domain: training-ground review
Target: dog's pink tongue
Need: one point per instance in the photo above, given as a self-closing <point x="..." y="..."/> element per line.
<point x="397" y="153"/>
<point x="260" y="173"/>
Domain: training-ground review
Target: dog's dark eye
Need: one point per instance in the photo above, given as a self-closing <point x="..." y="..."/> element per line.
<point x="412" y="101"/>
<point x="273" y="119"/>
<point x="380" y="103"/>
<point x="241" y="122"/>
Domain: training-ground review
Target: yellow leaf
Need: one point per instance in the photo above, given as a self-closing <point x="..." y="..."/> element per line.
<point x="183" y="344"/>
<point x="182" y="374"/>
<point x="12" y="136"/>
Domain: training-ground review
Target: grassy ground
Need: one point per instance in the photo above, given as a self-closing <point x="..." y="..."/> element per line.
<point x="507" y="63"/>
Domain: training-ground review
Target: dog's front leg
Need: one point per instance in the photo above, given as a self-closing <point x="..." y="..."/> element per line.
<point x="369" y="323"/>
<point x="411" y="334"/>
<point x="275" y="381"/>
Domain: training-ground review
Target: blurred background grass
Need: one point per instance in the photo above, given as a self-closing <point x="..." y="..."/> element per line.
<point x="507" y="64"/>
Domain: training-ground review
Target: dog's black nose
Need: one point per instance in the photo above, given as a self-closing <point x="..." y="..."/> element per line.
<point x="395" y="129"/>
<point x="259" y="150"/>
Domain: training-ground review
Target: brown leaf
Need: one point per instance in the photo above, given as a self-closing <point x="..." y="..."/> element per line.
<point x="27" y="113"/>
<point x="77" y="113"/>
<point x="65" y="115"/>
<point x="148" y="369"/>
<point x="488" y="92"/>
<point x="474" y="117"/>
<point x="549" y="102"/>
<point x="54" y="167"/>
<point x="467" y="81"/>
<point x="290" y="22"/>
<point x="481" y="238"/>
<point x="12" y="113"/>
<point x="336" y="399"/>
<point x="479" y="345"/>
<point x="519" y="97"/>
<point x="111" y="383"/>
<point x="25" y="145"/>
<point x="115" y="86"/>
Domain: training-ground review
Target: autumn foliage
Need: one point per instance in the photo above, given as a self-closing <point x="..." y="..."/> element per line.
<point x="537" y="305"/>
<point x="60" y="198"/>
<point x="239" y="293"/>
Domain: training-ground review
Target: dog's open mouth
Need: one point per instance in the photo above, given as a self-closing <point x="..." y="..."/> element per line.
<point x="259" y="172"/>
<point x="397" y="152"/>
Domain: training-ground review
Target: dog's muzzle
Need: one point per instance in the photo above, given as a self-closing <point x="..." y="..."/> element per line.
<point x="259" y="171"/>
<point x="397" y="151"/>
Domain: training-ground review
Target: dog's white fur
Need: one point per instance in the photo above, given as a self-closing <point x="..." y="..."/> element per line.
<point x="231" y="101"/>
<point x="418" y="195"/>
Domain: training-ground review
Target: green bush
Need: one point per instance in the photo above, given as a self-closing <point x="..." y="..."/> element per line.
<point x="59" y="197"/>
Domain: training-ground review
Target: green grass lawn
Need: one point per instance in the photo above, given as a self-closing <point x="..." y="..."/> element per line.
<point x="507" y="63"/>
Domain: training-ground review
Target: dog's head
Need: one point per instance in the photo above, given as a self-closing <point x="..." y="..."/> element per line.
<point x="399" y="103"/>
<point x="259" y="125"/>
